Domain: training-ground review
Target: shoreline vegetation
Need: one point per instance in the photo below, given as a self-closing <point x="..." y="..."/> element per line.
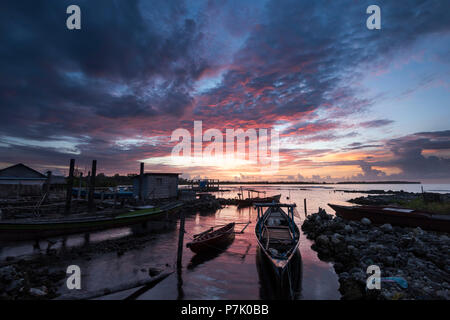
<point x="428" y="202"/>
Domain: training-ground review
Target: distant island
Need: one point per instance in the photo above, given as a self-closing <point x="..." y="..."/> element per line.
<point x="185" y="182"/>
<point x="103" y="180"/>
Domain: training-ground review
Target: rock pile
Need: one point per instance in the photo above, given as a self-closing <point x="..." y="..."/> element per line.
<point x="204" y="205"/>
<point x="421" y="258"/>
<point x="28" y="282"/>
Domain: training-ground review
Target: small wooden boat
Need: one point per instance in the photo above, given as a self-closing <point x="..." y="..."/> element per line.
<point x="278" y="236"/>
<point x="248" y="202"/>
<point x="38" y="228"/>
<point x="211" y="240"/>
<point x="395" y="216"/>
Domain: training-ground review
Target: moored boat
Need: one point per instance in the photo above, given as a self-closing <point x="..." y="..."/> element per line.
<point x="211" y="240"/>
<point x="39" y="228"/>
<point x="396" y="216"/>
<point x="248" y="202"/>
<point x="278" y="236"/>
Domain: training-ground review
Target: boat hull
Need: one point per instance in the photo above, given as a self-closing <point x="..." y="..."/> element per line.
<point x="378" y="215"/>
<point x="12" y="231"/>
<point x="276" y="283"/>
<point x="213" y="244"/>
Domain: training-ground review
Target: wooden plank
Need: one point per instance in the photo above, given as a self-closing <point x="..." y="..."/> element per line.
<point x="281" y="234"/>
<point x="281" y="205"/>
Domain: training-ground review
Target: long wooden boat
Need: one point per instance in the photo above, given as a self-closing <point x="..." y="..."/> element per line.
<point x="248" y="202"/>
<point x="212" y="240"/>
<point x="395" y="216"/>
<point x="38" y="228"/>
<point x="278" y="236"/>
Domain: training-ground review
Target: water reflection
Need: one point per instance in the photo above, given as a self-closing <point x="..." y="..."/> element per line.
<point x="180" y="291"/>
<point x="203" y="257"/>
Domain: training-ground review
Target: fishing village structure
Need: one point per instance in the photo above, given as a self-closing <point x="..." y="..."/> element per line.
<point x="205" y="185"/>
<point x="20" y="180"/>
<point x="156" y="185"/>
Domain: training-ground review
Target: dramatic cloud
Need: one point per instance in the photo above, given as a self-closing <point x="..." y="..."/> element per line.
<point x="376" y="123"/>
<point x="137" y="70"/>
<point x="409" y="157"/>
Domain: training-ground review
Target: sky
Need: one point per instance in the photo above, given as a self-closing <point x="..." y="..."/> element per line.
<point x="348" y="103"/>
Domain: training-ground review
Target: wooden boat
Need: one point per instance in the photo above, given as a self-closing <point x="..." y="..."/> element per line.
<point x="211" y="240"/>
<point x="248" y="202"/>
<point x="39" y="228"/>
<point x="395" y="216"/>
<point x="278" y="236"/>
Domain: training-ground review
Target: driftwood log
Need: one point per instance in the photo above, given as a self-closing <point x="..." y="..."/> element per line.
<point x="77" y="295"/>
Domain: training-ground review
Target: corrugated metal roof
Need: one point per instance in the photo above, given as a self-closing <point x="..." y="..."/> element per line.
<point x="18" y="178"/>
<point x="20" y="171"/>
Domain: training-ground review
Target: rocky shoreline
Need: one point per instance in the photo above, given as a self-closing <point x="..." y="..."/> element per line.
<point x="419" y="257"/>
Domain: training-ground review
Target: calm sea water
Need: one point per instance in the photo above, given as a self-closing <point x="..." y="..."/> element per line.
<point x="232" y="274"/>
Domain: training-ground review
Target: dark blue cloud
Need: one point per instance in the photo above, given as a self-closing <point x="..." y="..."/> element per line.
<point x="119" y="65"/>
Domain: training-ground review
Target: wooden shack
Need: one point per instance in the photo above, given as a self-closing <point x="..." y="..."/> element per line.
<point x="21" y="180"/>
<point x="157" y="185"/>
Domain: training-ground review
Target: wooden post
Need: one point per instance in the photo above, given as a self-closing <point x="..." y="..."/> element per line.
<point x="47" y="185"/>
<point x="306" y="211"/>
<point x="141" y="182"/>
<point x="88" y="182"/>
<point x="180" y="284"/>
<point x="91" y="202"/>
<point x="180" y="240"/>
<point x="79" y="186"/>
<point x="69" y="186"/>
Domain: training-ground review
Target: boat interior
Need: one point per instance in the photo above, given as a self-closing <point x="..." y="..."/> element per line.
<point x="276" y="235"/>
<point x="211" y="233"/>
